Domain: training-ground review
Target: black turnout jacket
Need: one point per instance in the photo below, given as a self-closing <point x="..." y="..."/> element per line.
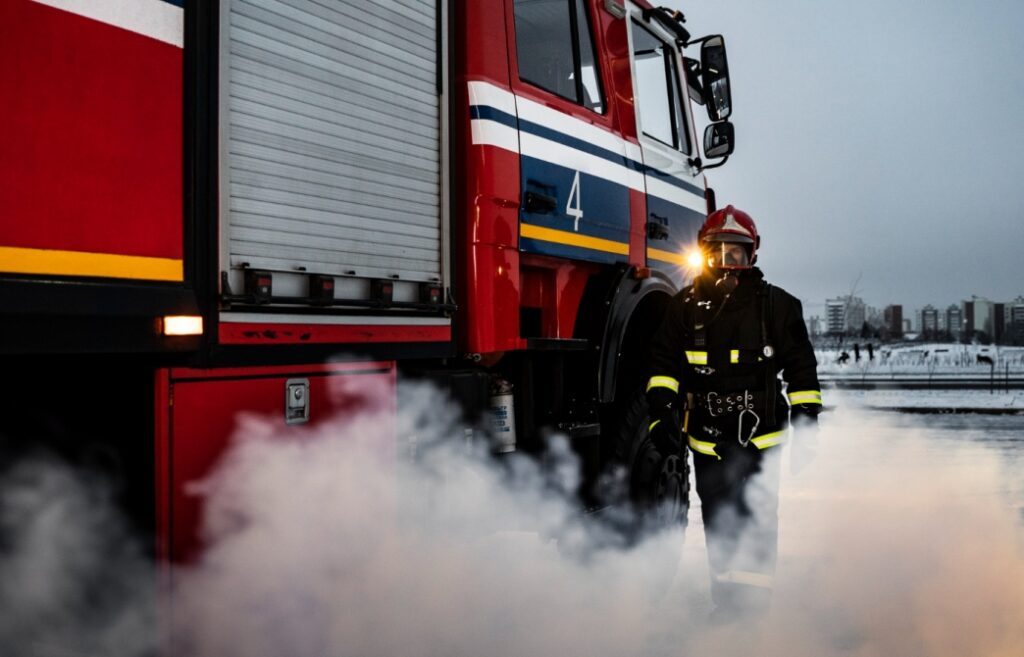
<point x="723" y="351"/>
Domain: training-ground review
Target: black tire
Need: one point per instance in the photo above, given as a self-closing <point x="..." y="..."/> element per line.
<point x="653" y="487"/>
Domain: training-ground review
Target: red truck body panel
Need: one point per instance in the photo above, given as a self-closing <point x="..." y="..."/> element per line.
<point x="198" y="418"/>
<point x="91" y="164"/>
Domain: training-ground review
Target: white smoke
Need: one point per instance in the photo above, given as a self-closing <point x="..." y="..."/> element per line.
<point x="899" y="542"/>
<point x="330" y="545"/>
<point x="333" y="541"/>
<point x="71" y="575"/>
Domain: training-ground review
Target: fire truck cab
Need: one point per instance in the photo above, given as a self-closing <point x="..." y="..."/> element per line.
<point x="583" y="189"/>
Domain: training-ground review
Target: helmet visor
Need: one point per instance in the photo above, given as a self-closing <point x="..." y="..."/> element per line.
<point x="727" y="255"/>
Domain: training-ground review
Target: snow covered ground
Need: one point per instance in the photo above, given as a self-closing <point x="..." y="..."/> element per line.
<point x="919" y="358"/>
<point x="923" y="365"/>
<point x="926" y="399"/>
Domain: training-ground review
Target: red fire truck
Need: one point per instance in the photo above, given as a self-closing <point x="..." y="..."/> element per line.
<point x="225" y="206"/>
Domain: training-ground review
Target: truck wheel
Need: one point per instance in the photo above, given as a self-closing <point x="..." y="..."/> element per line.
<point x="658" y="486"/>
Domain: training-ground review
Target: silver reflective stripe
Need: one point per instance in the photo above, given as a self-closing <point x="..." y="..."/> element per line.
<point x="745" y="577"/>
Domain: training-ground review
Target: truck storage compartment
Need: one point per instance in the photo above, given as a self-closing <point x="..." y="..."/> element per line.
<point x="331" y="153"/>
<point x="198" y="412"/>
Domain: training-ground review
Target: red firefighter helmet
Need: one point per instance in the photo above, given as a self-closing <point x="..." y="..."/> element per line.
<point x="722" y="232"/>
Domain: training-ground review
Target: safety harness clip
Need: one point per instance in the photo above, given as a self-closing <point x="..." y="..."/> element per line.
<point x="753" y="430"/>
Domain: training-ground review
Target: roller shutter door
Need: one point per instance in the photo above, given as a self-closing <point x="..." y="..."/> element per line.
<point x="332" y="137"/>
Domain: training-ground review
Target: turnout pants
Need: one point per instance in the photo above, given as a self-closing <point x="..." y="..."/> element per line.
<point x="739" y="496"/>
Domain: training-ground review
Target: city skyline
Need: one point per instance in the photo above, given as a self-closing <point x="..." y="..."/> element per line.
<point x="988" y="319"/>
<point x="817" y="307"/>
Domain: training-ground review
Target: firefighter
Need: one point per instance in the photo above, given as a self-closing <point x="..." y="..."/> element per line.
<point x="717" y="356"/>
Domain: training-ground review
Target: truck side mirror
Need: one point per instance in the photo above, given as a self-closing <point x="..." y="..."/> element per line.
<point x="715" y="78"/>
<point x="719" y="139"/>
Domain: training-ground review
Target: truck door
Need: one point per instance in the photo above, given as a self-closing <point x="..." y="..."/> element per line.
<point x="576" y="172"/>
<point x="675" y="188"/>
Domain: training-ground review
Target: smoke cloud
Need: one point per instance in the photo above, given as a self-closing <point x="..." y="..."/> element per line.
<point x="72" y="578"/>
<point x="333" y="541"/>
<point x="330" y="545"/>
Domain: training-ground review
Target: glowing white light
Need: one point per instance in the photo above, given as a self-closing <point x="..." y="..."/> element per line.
<point x="182" y="325"/>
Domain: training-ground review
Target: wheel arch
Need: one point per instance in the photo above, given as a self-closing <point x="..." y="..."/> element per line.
<point x="635" y="310"/>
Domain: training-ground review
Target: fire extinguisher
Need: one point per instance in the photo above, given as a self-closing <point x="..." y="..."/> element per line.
<point x="503" y="417"/>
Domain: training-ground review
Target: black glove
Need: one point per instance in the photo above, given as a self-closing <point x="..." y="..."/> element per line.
<point x="805" y="416"/>
<point x="804" y="449"/>
<point x="663" y="429"/>
<point x="665" y="434"/>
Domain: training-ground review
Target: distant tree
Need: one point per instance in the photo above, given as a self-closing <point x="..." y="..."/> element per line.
<point x="1014" y="334"/>
<point x="868" y="331"/>
<point x="981" y="337"/>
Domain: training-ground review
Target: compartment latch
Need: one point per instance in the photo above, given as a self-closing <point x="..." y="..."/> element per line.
<point x="296" y="401"/>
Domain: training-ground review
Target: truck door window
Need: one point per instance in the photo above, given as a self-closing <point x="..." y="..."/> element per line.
<point x="657" y="83"/>
<point x="556" y="52"/>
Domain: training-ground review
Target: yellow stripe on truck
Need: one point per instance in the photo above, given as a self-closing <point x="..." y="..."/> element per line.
<point x="666" y="256"/>
<point x="16" y="260"/>
<point x="573" y="239"/>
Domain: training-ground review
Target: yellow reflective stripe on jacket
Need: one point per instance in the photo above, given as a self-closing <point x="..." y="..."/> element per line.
<point x="702" y="447"/>
<point x="663" y="382"/>
<point x="697" y="357"/>
<point x="805" y="397"/>
<point x="653" y="424"/>
<point x="761" y="442"/>
<point x="701" y="357"/>
<point x="768" y="439"/>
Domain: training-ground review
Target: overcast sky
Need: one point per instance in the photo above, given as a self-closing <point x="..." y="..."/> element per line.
<point x="877" y="139"/>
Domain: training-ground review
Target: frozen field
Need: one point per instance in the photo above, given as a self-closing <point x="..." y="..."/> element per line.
<point x="922" y="358"/>
<point x="927" y="399"/>
<point x="923" y="365"/>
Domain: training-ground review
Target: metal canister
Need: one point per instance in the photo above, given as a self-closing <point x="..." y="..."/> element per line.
<point x="503" y="417"/>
